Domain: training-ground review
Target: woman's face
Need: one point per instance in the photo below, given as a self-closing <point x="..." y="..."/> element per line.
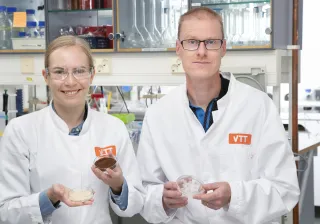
<point x="69" y="76"/>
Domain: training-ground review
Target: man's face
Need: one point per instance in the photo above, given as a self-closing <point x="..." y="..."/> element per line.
<point x="201" y="63"/>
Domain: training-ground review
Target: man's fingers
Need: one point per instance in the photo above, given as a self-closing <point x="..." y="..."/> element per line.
<point x="212" y="186"/>
<point x="207" y="197"/>
<point x="171" y="194"/>
<point x="171" y="186"/>
<point x="172" y="201"/>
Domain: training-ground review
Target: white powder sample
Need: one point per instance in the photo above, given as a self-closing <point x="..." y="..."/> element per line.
<point x="80" y="195"/>
<point x="189" y="187"/>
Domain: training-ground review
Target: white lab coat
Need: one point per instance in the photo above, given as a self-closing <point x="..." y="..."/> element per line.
<point x="262" y="175"/>
<point x="36" y="152"/>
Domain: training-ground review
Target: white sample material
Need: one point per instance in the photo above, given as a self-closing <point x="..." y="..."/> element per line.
<point x="260" y="170"/>
<point x="37" y="151"/>
<point x="189" y="186"/>
<point x="80" y="195"/>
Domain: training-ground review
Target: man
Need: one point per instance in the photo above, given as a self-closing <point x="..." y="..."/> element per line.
<point x="223" y="132"/>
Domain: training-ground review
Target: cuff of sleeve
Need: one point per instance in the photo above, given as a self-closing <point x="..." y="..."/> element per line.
<point x="122" y="199"/>
<point x="169" y="215"/>
<point x="236" y="201"/>
<point x="46" y="206"/>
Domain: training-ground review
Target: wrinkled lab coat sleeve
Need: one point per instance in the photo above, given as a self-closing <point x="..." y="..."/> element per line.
<point x="153" y="179"/>
<point x="17" y="204"/>
<point x="128" y="163"/>
<point x="276" y="192"/>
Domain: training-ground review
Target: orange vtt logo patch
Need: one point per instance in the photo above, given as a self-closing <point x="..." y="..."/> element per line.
<point x="104" y="151"/>
<point x="241" y="139"/>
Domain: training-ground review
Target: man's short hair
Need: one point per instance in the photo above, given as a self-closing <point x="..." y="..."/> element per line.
<point x="200" y="13"/>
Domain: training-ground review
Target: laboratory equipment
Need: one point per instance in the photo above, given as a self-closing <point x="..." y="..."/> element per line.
<point x="5" y="104"/>
<point x="19" y="102"/>
<point x="148" y="39"/>
<point x="42" y="29"/>
<point x="189" y="186"/>
<point x="135" y="38"/>
<point x="3" y="120"/>
<point x="169" y="39"/>
<point x="86" y="4"/>
<point x="5" y="29"/>
<point x="14" y="30"/>
<point x="247" y="24"/>
<point x="105" y="162"/>
<point x="12" y="107"/>
<point x="74" y="4"/>
<point x="31" y="31"/>
<point x="31" y="17"/>
<point x="155" y="33"/>
<point x="61" y="4"/>
<point x="81" y="195"/>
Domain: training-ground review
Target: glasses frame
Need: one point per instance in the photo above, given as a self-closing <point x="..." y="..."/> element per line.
<point x="204" y="42"/>
<point x="90" y="70"/>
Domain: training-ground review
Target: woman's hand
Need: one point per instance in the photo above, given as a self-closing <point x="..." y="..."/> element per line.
<point x="112" y="177"/>
<point x="58" y="192"/>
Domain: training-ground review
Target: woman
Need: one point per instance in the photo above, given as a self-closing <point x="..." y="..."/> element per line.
<point x="46" y="153"/>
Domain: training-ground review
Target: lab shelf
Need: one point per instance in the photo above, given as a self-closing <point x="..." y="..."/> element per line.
<point x="235" y="3"/>
<point x="21" y="51"/>
<point x="102" y="50"/>
<point x="79" y="10"/>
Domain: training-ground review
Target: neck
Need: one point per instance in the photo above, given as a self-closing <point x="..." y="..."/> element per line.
<point x="201" y="92"/>
<point x="72" y="116"/>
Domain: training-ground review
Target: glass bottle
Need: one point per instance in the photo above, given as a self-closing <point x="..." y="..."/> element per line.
<point x="245" y="37"/>
<point x="148" y="40"/>
<point x="135" y="38"/>
<point x="168" y="37"/>
<point x="155" y="33"/>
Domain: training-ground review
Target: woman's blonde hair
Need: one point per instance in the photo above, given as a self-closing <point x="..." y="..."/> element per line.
<point x="68" y="41"/>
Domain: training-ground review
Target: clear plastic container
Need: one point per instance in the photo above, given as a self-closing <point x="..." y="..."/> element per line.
<point x="14" y="30"/>
<point x="31" y="31"/>
<point x="42" y="29"/>
<point x="81" y="194"/>
<point x="5" y="29"/>
<point x="31" y="15"/>
<point x="189" y="186"/>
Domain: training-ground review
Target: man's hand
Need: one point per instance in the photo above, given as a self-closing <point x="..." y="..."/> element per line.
<point x="58" y="192"/>
<point x="114" y="178"/>
<point x="217" y="199"/>
<point x="172" y="197"/>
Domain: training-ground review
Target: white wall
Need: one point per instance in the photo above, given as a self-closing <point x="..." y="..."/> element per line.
<point x="310" y="58"/>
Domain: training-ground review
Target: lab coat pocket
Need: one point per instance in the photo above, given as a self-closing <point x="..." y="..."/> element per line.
<point x="236" y="163"/>
<point x="243" y="161"/>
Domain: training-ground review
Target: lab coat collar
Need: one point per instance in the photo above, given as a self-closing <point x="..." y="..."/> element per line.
<point x="61" y="124"/>
<point x="223" y="101"/>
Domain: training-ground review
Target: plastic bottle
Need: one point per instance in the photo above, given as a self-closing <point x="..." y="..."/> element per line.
<point x="10" y="11"/>
<point x="5" y="29"/>
<point x="42" y="29"/>
<point x="14" y="30"/>
<point x="31" y="31"/>
<point x="31" y="15"/>
<point x="22" y="35"/>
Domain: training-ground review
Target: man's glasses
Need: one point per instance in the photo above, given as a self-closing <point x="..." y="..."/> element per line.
<point x="193" y="45"/>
